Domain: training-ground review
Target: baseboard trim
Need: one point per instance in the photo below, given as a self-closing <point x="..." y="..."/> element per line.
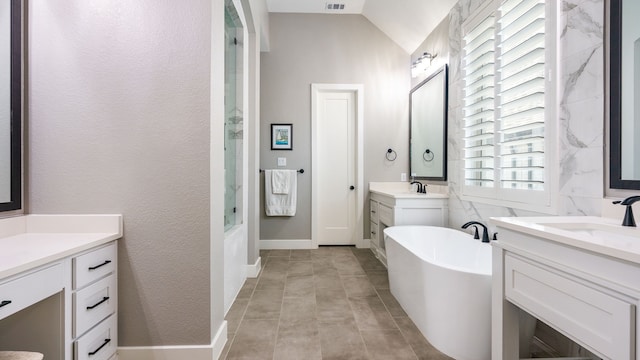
<point x="299" y="244"/>
<point x="178" y="352"/>
<point x="286" y="244"/>
<point x="254" y="269"/>
<point x="363" y="244"/>
<point x="219" y="341"/>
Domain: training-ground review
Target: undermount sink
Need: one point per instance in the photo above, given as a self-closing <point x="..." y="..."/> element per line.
<point x="598" y="234"/>
<point x="597" y="229"/>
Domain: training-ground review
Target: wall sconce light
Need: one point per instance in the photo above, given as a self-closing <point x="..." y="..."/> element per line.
<point x="420" y="66"/>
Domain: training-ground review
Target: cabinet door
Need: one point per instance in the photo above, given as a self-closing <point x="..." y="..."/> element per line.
<point x="419" y="216"/>
<point x="601" y="322"/>
<point x="385" y="214"/>
<point x="373" y="211"/>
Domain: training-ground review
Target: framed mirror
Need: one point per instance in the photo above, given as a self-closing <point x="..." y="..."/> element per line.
<point x="428" y="127"/>
<point x="624" y="95"/>
<point x="10" y="105"/>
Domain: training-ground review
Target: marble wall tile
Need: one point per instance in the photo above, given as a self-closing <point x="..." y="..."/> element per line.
<point x="580" y="115"/>
<point x="581" y="25"/>
<point x="582" y="75"/>
<point x="581" y="172"/>
<point x="580" y="206"/>
<point x="469" y="7"/>
<point x="581" y="123"/>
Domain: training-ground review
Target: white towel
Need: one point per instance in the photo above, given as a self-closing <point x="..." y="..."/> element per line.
<point x="281" y="181"/>
<point x="280" y="204"/>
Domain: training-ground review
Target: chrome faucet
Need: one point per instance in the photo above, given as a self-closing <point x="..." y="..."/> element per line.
<point x="485" y="234"/>
<point x="628" y="215"/>
<point x="422" y="188"/>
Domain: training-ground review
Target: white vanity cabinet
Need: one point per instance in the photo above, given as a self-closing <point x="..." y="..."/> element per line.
<point x="583" y="289"/>
<point x="403" y="208"/>
<point x="95" y="300"/>
<point x="70" y="261"/>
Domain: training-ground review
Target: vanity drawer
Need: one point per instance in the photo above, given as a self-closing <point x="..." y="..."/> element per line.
<point x="94" y="265"/>
<point x="374" y="232"/>
<point x="600" y="320"/>
<point x="386" y="214"/>
<point x="27" y="290"/>
<point x="100" y="343"/>
<point x="94" y="303"/>
<point x="373" y="215"/>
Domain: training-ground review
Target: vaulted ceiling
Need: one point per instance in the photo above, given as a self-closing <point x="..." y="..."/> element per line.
<point x="407" y="22"/>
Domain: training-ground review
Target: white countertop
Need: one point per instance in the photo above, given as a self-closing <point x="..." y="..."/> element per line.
<point x="402" y="190"/>
<point x="30" y="241"/>
<point x="604" y="236"/>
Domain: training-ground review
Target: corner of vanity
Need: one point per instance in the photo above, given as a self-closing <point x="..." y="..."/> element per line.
<point x="395" y="203"/>
<point x="58" y="285"/>
<point x="579" y="275"/>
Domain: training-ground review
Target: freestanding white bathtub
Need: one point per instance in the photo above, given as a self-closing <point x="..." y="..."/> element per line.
<point x="442" y="279"/>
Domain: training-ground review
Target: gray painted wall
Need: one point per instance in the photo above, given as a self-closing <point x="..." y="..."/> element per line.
<point x="437" y="43"/>
<point x="118" y="122"/>
<point x="317" y="48"/>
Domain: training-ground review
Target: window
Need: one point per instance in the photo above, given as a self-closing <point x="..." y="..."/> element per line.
<point x="509" y="103"/>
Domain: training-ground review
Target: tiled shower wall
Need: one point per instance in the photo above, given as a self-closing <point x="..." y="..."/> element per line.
<point x="580" y="122"/>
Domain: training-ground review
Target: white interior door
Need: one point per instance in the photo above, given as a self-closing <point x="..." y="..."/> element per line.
<point x="335" y="174"/>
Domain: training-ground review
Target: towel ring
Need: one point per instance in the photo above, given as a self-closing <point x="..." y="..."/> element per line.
<point x="391" y="155"/>
<point x="428" y="155"/>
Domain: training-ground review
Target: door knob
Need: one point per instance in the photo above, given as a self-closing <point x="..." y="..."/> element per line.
<point x="352" y="187"/>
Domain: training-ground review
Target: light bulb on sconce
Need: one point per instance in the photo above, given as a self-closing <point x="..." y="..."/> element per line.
<point x="420" y="66"/>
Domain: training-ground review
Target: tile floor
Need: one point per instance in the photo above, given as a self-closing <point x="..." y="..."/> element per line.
<point x="330" y="303"/>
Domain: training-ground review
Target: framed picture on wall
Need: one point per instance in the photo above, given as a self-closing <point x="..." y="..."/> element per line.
<point x="281" y="137"/>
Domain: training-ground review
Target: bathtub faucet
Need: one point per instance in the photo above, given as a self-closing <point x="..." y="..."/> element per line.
<point x="485" y="233"/>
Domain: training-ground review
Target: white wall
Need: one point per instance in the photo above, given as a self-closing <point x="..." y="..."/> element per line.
<point x="235" y="263"/>
<point x="260" y="16"/>
<point x="216" y="167"/>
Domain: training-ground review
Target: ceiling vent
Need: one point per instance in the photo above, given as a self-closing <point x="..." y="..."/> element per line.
<point x="334" y="6"/>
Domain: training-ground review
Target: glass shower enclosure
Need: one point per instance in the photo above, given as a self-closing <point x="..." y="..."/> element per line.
<point x="234" y="122"/>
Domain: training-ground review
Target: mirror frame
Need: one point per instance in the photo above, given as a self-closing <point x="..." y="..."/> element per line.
<point x="16" y="109"/>
<point x="445" y="120"/>
<point x="615" y="101"/>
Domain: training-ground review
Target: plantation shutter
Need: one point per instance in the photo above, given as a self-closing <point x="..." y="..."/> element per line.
<point x="521" y="94"/>
<point x="479" y="102"/>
